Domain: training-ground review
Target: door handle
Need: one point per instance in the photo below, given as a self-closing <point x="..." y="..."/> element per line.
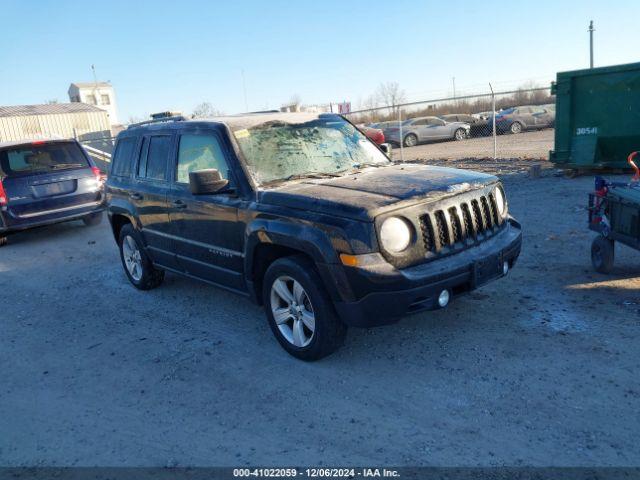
<point x="135" y="196"/>
<point x="179" y="204"/>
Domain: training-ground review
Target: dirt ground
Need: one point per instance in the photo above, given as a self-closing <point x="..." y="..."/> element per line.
<point x="539" y="368"/>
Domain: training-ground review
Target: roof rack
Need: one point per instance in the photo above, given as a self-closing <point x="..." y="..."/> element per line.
<point x="176" y="118"/>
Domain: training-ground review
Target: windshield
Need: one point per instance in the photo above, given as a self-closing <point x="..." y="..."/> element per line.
<point x="278" y="150"/>
<point x="41" y="158"/>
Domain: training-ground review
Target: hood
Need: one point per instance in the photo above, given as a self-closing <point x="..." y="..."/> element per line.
<point x="366" y="194"/>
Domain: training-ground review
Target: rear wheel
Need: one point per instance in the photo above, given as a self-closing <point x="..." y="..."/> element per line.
<point x="602" y="254"/>
<point x="516" y="127"/>
<point x="93" y="219"/>
<point x="460" y="134"/>
<point x="299" y="310"/>
<point x="137" y="265"/>
<point x="410" y="140"/>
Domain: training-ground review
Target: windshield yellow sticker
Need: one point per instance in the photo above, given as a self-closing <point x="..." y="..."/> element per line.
<point x="244" y="133"/>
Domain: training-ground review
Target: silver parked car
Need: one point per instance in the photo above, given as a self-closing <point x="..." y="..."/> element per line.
<point x="427" y="129"/>
<point x="525" y="117"/>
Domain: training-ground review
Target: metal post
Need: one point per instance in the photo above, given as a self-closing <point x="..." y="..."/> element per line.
<point x="453" y="79"/>
<point x="591" y="30"/>
<point x="401" y="139"/>
<point x="493" y="121"/>
<point x="244" y="91"/>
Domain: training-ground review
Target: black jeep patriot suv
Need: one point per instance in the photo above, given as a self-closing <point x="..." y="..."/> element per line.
<point x="305" y="215"/>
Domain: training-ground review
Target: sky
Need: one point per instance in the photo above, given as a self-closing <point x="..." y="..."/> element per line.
<point x="164" y="55"/>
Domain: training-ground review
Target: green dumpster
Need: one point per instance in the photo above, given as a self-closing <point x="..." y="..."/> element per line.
<point x="597" y="117"/>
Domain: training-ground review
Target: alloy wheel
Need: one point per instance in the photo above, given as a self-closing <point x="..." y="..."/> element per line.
<point x="132" y="257"/>
<point x="292" y="311"/>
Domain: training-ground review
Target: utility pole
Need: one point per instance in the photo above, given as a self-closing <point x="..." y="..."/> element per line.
<point x="591" y="30"/>
<point x="244" y="90"/>
<point x="95" y="84"/>
<point x="453" y="80"/>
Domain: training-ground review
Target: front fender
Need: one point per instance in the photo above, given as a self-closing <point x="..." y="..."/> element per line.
<point x="297" y="235"/>
<point x="319" y="244"/>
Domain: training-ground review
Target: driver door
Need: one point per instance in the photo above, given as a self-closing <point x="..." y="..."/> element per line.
<point x="208" y="235"/>
<point x="438" y="129"/>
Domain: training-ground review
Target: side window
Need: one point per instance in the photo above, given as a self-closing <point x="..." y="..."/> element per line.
<point x="154" y="166"/>
<point x="420" y="122"/>
<point x="436" y="122"/>
<point x="199" y="152"/>
<point x="121" y="164"/>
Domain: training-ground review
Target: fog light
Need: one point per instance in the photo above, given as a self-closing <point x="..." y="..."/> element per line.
<point x="505" y="268"/>
<point x="443" y="298"/>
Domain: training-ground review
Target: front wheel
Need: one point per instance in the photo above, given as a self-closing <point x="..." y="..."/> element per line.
<point x="410" y="140"/>
<point x="460" y="134"/>
<point x="602" y="254"/>
<point x="137" y="265"/>
<point x="3" y="241"/>
<point x="299" y="310"/>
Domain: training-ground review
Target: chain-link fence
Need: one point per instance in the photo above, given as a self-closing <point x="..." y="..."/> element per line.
<point x="485" y="125"/>
<point x="100" y="148"/>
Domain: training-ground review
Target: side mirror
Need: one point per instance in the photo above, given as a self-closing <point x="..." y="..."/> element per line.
<point x="386" y="149"/>
<point x="206" y="182"/>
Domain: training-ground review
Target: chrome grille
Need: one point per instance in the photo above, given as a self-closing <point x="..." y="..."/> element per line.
<point x="458" y="223"/>
<point x="456" y="227"/>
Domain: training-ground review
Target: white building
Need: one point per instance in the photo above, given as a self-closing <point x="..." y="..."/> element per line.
<point x="100" y="94"/>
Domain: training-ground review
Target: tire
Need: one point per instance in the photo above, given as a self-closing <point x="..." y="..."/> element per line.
<point x="93" y="219"/>
<point x="515" y="128"/>
<point x="4" y="241"/>
<point x="145" y="276"/>
<point x="306" y="305"/>
<point x="460" y="134"/>
<point x="410" y="140"/>
<point x="602" y="254"/>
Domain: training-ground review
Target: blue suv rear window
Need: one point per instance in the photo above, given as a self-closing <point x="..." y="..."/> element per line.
<point x="41" y="158"/>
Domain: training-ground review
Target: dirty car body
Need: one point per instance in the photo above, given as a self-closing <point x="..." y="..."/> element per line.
<point x="380" y="239"/>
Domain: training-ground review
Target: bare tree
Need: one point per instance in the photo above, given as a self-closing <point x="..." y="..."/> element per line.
<point x="204" y="110"/>
<point x="295" y="100"/>
<point x="293" y="105"/>
<point x="391" y="95"/>
<point x="135" y="119"/>
<point x="53" y="101"/>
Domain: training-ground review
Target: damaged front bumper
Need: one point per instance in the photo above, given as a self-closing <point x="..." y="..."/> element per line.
<point x="382" y="294"/>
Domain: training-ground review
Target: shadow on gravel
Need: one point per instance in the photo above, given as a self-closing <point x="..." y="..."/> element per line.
<point x="47" y="233"/>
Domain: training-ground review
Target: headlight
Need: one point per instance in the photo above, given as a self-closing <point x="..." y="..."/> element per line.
<point x="500" y="202"/>
<point x="395" y="234"/>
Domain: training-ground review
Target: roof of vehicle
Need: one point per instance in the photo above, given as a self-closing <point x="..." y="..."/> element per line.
<point x="29" y="141"/>
<point x="46" y="109"/>
<point x="241" y="121"/>
<point x="422" y="118"/>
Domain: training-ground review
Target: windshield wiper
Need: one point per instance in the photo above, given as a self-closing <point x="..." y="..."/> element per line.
<point x="66" y="165"/>
<point x="360" y="166"/>
<point x="312" y="175"/>
<point x="298" y="176"/>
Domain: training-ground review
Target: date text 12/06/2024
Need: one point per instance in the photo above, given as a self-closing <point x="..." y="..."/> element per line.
<point x="315" y="472"/>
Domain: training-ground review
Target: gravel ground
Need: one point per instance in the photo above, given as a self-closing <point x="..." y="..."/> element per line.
<point x="526" y="145"/>
<point x="539" y="368"/>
